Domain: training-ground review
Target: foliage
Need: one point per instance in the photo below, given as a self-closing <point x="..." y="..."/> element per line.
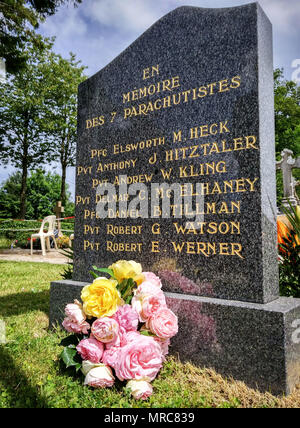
<point x="9" y="196"/>
<point x="287" y="114"/>
<point x="19" y="238"/>
<point x="289" y="250"/>
<point x="293" y="216"/>
<point x="70" y="357"/>
<point x="287" y="122"/>
<point x="38" y="115"/>
<point x="42" y="194"/>
<point x="49" y="7"/>
<point x="43" y="191"/>
<point x="4" y="242"/>
<point x="24" y="141"/>
<point x="110" y="272"/>
<point x="16" y="26"/>
<point x="19" y="20"/>
<point x="64" y="76"/>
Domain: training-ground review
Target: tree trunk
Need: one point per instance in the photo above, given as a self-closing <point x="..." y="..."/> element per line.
<point x="63" y="183"/>
<point x="23" y="190"/>
<point x="24" y="170"/>
<point x="64" y="163"/>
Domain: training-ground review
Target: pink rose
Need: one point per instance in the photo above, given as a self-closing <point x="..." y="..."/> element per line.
<point x="75" y="313"/>
<point x="140" y="389"/>
<point x="111" y="349"/>
<point x="105" y="329"/>
<point x="75" y="319"/>
<point x="73" y="327"/>
<point x="141" y="358"/>
<point x="163" y="323"/>
<point x="147" y="300"/>
<point x="90" y="349"/>
<point x="110" y="356"/>
<point x="147" y="288"/>
<point x="151" y="277"/>
<point x="150" y="305"/>
<point x="130" y="337"/>
<point x="127" y="318"/>
<point x="164" y="344"/>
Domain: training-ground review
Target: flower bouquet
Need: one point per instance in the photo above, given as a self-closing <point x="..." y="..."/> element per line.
<point x="123" y="329"/>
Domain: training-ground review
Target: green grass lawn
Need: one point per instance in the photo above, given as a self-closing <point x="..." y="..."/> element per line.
<point x="31" y="376"/>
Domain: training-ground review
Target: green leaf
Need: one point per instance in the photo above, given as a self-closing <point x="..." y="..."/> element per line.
<point x="70" y="341"/>
<point x="68" y="253"/>
<point x="293" y="218"/>
<point x="128" y="290"/>
<point x="147" y="333"/>
<point x="105" y="270"/>
<point x="68" y="356"/>
<point x="93" y="273"/>
<point x="122" y="285"/>
<point x="128" y="300"/>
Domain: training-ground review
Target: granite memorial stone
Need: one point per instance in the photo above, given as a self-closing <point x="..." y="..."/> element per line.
<point x="176" y="170"/>
<point x="194" y="109"/>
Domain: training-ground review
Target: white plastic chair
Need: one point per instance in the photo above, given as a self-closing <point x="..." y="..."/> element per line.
<point x="45" y="236"/>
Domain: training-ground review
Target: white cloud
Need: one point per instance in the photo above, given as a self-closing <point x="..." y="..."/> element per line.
<point x="67" y="22"/>
<point x="109" y="26"/>
<point x="128" y="15"/>
<point x="5" y="172"/>
<point x="98" y="30"/>
<point x="284" y="15"/>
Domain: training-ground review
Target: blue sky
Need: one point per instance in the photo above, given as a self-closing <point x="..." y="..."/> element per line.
<point x="98" y="30"/>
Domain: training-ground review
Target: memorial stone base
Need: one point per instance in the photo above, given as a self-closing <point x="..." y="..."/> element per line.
<point x="255" y="343"/>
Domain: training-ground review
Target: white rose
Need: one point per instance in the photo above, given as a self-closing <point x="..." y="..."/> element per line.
<point x="140" y="389"/>
<point x="88" y="365"/>
<point x="99" y="377"/>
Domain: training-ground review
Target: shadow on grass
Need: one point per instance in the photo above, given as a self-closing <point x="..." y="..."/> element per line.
<point x="21" y="303"/>
<point x="18" y="390"/>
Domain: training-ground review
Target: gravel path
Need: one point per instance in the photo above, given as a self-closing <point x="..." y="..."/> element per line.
<point x="20" y="255"/>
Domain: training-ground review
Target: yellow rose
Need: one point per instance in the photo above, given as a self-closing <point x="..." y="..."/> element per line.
<point x="124" y="269"/>
<point x="101" y="298"/>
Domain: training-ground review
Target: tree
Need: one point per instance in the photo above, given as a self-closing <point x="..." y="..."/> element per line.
<point x="49" y="7"/>
<point x="287" y="121"/>
<point x="287" y="114"/>
<point x="23" y="115"/>
<point x="43" y="191"/>
<point x="42" y="194"/>
<point x="63" y="80"/>
<point x="19" y="19"/>
<point x="9" y="196"/>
